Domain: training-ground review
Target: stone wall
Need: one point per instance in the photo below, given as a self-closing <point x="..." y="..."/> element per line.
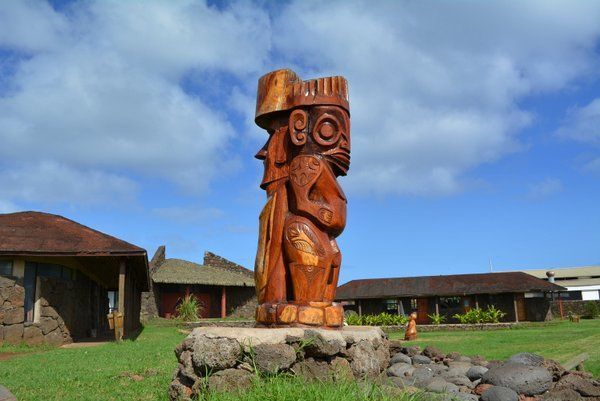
<point x="12" y="295"/>
<point x="574" y="307"/>
<point x="149" y="308"/>
<point x="210" y="259"/>
<point x="150" y="299"/>
<point x="68" y="310"/>
<point x="241" y="302"/>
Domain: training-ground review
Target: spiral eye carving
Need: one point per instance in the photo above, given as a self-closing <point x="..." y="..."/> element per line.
<point x="298" y="125"/>
<point x="327" y="130"/>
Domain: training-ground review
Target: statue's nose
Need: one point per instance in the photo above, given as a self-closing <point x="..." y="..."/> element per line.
<point x="262" y="154"/>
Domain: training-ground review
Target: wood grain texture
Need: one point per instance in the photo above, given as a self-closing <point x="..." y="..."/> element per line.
<point x="298" y="260"/>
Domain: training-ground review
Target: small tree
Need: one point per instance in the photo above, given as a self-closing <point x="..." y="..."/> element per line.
<point x="592" y="310"/>
<point x="189" y="309"/>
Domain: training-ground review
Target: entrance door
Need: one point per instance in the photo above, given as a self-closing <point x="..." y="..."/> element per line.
<point x="422" y="309"/>
<point x="29" y="284"/>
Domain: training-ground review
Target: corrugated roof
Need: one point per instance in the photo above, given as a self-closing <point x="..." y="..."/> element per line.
<point x="32" y="233"/>
<point x="582" y="271"/>
<point x="450" y="285"/>
<point x="177" y="271"/>
<point x="579" y="283"/>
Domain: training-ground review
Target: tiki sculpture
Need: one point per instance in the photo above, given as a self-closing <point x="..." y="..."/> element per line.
<point x="298" y="260"/>
<point x="411" y="328"/>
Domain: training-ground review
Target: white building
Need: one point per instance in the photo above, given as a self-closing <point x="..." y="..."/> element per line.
<point x="583" y="283"/>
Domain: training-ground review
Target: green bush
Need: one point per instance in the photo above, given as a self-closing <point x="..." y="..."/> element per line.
<point x="383" y="319"/>
<point x="354" y="320"/>
<point x="493" y="314"/>
<point x="436" y="318"/>
<point x="478" y="316"/>
<point x="189" y="309"/>
<point x="592" y="310"/>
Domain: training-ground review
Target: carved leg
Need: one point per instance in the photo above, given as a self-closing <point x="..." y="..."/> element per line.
<point x="309" y="255"/>
<point x="334" y="273"/>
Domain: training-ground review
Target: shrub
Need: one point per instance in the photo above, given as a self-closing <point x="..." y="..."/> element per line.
<point x="383" y="319"/>
<point x="477" y="316"/>
<point x="189" y="309"/>
<point x="436" y="318"/>
<point x="354" y="320"/>
<point x="493" y="314"/>
<point x="592" y="310"/>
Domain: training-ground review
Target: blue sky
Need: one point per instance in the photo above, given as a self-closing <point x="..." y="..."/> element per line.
<point x="475" y="125"/>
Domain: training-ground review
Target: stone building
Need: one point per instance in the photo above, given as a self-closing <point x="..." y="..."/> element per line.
<point x="521" y="296"/>
<point x="224" y="288"/>
<point x="56" y="278"/>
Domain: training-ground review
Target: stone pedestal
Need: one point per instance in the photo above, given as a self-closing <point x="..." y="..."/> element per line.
<point x="318" y="314"/>
<point x="229" y="358"/>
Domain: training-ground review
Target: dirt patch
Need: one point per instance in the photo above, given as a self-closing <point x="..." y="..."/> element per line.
<point x="9" y="355"/>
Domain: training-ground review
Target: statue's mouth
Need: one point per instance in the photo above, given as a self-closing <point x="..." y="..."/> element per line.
<point x="340" y="158"/>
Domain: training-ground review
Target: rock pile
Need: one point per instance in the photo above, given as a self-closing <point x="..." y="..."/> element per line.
<point x="228" y="358"/>
<point x="523" y="377"/>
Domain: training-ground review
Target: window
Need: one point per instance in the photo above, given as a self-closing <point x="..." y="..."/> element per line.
<point x="54" y="271"/>
<point x="6" y="268"/>
<point x="413" y="303"/>
<point x="391" y="305"/>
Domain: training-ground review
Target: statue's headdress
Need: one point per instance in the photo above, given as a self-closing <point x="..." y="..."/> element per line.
<point x="283" y="90"/>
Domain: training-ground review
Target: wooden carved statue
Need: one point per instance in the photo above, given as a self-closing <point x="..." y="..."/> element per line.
<point x="411" y="328"/>
<point x="298" y="260"/>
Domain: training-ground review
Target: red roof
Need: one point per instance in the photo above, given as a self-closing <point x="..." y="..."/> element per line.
<point x="28" y="233"/>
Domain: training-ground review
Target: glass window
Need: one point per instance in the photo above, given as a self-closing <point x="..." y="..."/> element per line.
<point x="6" y="268"/>
<point x="391" y="305"/>
<point x="49" y="270"/>
<point x="413" y="303"/>
<point x="67" y="273"/>
<point x="54" y="271"/>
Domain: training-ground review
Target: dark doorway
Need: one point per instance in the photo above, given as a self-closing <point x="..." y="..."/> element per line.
<point x="29" y="281"/>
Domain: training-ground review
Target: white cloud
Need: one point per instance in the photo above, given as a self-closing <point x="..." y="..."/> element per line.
<point x="544" y="189"/>
<point x="583" y="123"/>
<point x="49" y="182"/>
<point x="101" y="93"/>
<point x="192" y="214"/>
<point x="101" y="89"/>
<point x="434" y="86"/>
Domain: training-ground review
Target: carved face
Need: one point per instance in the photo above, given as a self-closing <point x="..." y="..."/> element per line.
<point x="274" y="156"/>
<point x="323" y="130"/>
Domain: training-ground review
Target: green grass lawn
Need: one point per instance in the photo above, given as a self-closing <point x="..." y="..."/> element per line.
<point x="558" y="340"/>
<point x="104" y="372"/>
<point x="95" y="373"/>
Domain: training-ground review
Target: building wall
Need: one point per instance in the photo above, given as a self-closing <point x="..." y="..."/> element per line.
<point x="64" y="310"/>
<point x="573" y="307"/>
<point x="150" y="300"/>
<point x="537" y="309"/>
<point x="241" y="301"/>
